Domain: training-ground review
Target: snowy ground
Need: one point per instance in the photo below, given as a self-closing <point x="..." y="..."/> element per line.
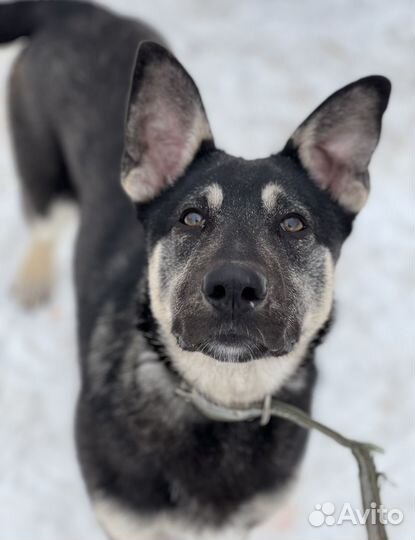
<point x="261" y="66"/>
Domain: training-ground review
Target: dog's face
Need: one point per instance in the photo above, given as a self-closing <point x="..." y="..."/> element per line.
<point x="242" y="253"/>
<point x="241" y="263"/>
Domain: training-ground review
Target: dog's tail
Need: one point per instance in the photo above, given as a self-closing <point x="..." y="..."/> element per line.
<point x="25" y="18"/>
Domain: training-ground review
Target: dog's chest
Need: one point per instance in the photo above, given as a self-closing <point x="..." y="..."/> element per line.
<point x="121" y="523"/>
<point x="185" y="469"/>
<point x="210" y="468"/>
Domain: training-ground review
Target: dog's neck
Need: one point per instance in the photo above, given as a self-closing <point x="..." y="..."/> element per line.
<point x="149" y="329"/>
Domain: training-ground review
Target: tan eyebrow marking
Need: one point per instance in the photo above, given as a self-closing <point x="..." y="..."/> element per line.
<point x="214" y="196"/>
<point x="269" y="196"/>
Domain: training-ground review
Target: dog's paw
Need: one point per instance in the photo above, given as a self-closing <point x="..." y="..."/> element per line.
<point x="34" y="279"/>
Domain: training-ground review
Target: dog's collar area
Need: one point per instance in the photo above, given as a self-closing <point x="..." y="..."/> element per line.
<point x="362" y="451"/>
<point x="220" y="413"/>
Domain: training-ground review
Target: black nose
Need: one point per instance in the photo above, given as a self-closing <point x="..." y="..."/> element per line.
<point x="234" y="288"/>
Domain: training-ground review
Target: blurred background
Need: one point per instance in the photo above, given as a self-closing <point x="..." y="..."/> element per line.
<point x="261" y="66"/>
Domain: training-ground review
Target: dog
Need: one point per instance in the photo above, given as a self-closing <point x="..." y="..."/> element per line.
<point x="192" y="266"/>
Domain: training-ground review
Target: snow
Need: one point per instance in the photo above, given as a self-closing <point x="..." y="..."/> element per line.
<point x="261" y="67"/>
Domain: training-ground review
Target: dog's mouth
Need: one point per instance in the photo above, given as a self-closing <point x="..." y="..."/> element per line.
<point x="234" y="347"/>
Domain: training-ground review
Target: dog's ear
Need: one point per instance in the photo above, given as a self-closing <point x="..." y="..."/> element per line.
<point x="165" y="126"/>
<point x="336" y="142"/>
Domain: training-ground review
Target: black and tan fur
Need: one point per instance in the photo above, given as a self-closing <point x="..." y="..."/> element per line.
<point x="214" y="270"/>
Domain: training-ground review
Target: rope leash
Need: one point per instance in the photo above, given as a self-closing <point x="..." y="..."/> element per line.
<point x="362" y="451"/>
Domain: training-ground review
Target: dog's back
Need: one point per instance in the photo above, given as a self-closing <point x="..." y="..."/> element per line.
<point x="68" y="91"/>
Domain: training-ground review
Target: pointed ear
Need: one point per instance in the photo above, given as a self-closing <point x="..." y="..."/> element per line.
<point x="336" y="142"/>
<point x="165" y="127"/>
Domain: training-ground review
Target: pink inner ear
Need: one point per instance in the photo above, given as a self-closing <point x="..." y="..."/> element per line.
<point x="325" y="168"/>
<point x="165" y="128"/>
<point x="166" y="144"/>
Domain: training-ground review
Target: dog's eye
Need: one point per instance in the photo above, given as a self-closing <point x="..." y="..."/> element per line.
<point x="192" y="218"/>
<point x="292" y="224"/>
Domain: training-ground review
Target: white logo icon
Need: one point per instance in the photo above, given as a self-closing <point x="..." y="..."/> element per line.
<point x="322" y="514"/>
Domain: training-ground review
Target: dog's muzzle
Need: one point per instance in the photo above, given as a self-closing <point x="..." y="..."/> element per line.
<point x="233" y="289"/>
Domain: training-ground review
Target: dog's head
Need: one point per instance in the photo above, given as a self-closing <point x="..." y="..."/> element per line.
<point x="242" y="253"/>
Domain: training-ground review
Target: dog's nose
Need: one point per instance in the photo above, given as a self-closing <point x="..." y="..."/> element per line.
<point x="234" y="288"/>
